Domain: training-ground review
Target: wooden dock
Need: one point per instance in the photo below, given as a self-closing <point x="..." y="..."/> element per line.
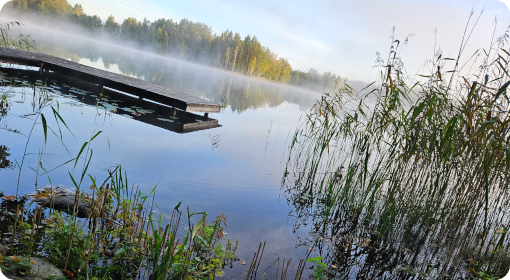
<point x="162" y="116"/>
<point x="101" y="78"/>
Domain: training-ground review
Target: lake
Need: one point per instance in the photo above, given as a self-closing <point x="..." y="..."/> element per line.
<point x="234" y="169"/>
<point x="248" y="163"/>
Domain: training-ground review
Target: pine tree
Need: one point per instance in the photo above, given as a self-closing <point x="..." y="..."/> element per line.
<point x="78" y="10"/>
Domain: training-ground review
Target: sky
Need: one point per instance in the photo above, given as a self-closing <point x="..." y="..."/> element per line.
<point x="331" y="35"/>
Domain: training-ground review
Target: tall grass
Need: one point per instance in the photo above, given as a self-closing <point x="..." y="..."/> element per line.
<point x="411" y="178"/>
<point x="121" y="236"/>
<point x="22" y="42"/>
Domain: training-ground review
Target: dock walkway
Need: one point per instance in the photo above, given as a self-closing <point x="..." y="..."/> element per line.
<point x="134" y="86"/>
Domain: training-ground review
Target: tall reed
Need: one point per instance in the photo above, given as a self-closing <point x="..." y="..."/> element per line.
<point x="411" y="178"/>
<point x="21" y="43"/>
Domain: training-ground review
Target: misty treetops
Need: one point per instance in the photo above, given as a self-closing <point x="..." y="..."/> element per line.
<point x="193" y="41"/>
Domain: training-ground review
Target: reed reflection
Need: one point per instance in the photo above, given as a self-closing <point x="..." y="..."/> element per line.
<point x="408" y="187"/>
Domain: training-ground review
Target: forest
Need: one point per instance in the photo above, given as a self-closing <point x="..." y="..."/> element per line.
<point x="187" y="40"/>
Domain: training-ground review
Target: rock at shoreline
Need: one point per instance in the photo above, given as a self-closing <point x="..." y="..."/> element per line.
<point x="9" y="275"/>
<point x="45" y="270"/>
<point x="37" y="269"/>
<point x="3" y="250"/>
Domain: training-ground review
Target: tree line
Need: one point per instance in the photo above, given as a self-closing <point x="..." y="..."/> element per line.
<point x="192" y="41"/>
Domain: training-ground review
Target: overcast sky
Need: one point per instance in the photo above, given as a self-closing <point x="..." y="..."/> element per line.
<point x="341" y="36"/>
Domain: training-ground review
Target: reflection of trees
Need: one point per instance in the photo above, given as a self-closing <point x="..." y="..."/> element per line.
<point x="4" y="161"/>
<point x="240" y="92"/>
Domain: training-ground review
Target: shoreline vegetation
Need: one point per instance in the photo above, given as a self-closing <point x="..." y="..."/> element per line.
<point x="110" y="230"/>
<point x="186" y="40"/>
<point x="409" y="180"/>
<point x="122" y="236"/>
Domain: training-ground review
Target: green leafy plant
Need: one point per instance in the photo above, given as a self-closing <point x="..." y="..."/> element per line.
<point x="201" y="255"/>
<point x="486" y="276"/>
<point x="17" y="265"/>
<point x="319" y="268"/>
<point x="66" y="243"/>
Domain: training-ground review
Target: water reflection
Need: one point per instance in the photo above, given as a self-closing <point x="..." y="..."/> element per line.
<point x="372" y="213"/>
<point x="4" y="158"/>
<point x="110" y="101"/>
<point x="236" y="90"/>
<point x="220" y="170"/>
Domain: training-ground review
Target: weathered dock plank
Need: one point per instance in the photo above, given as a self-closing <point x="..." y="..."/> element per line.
<point x="138" y="87"/>
<point x="177" y="120"/>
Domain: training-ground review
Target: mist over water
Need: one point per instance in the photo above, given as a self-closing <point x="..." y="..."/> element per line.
<point x="234" y="169"/>
<point x="239" y="91"/>
<point x="240" y="169"/>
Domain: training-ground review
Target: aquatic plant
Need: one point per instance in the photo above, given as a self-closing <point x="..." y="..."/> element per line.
<point x="21" y="43"/>
<point x="319" y="268"/>
<point x="121" y="238"/>
<point x="411" y="175"/>
<point x="119" y="235"/>
<point x="18" y="266"/>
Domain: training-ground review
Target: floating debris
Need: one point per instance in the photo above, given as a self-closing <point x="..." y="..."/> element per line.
<point x="143" y="111"/>
<point x="128" y="110"/>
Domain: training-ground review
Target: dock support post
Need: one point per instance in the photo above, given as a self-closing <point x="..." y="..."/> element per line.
<point x="100" y="87"/>
<point x="41" y="69"/>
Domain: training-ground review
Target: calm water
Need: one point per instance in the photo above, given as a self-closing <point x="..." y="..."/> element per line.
<point x="235" y="169"/>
